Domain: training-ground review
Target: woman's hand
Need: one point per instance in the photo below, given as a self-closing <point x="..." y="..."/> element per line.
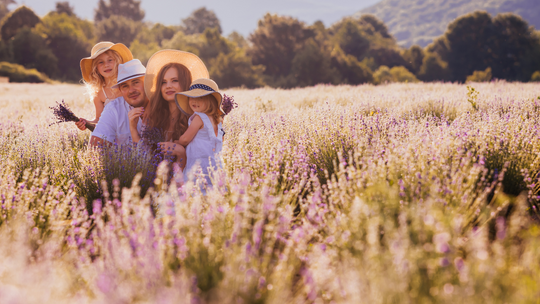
<point x="81" y="124"/>
<point x="134" y="116"/>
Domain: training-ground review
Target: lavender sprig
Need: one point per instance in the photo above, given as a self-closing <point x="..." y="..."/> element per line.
<point x="63" y="113"/>
<point x="152" y="136"/>
<point x="228" y="104"/>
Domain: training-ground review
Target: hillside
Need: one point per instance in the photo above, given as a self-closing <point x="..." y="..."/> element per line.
<point x="420" y="21"/>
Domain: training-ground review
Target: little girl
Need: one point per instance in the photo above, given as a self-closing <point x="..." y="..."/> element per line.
<point x="99" y="73"/>
<point x="204" y="137"/>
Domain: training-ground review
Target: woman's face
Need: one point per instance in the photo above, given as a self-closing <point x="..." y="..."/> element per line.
<point x="106" y="65"/>
<point x="170" y="84"/>
<point x="199" y="104"/>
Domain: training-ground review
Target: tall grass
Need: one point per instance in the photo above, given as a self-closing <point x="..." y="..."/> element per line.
<point x="403" y="193"/>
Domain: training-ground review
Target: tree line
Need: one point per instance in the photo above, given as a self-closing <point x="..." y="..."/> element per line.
<point x="281" y="52"/>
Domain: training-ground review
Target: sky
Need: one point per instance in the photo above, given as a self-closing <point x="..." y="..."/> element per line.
<point x="234" y="15"/>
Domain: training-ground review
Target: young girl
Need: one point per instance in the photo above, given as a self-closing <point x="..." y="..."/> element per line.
<point x="99" y="73"/>
<point x="204" y="137"/>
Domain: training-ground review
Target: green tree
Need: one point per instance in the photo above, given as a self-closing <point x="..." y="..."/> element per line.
<point x="352" y="39"/>
<point x="213" y="44"/>
<point x="535" y="76"/>
<point x="434" y="68"/>
<point x="31" y="51"/>
<point x="155" y="34"/>
<point x="5" y="51"/>
<point x="351" y="71"/>
<point x="367" y="37"/>
<point x="200" y="20"/>
<point x="118" y="29"/>
<point x="470" y="41"/>
<point x="70" y="39"/>
<point x="312" y="66"/>
<point x="276" y="42"/>
<point x="4" y="10"/>
<point x="235" y="70"/>
<point x="480" y="76"/>
<point x="414" y="56"/>
<point x="396" y="74"/>
<point x="143" y="51"/>
<point x="513" y="48"/>
<point x="65" y="8"/>
<point x="188" y="43"/>
<point x="238" y="39"/>
<point x="377" y="25"/>
<point x="17" y="20"/>
<point x="130" y="9"/>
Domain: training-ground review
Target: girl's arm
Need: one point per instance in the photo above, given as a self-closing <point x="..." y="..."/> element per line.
<point x="98" y="102"/>
<point x="194" y="127"/>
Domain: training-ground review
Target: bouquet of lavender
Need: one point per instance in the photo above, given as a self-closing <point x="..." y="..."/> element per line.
<point x="63" y="113"/>
<point x="228" y="104"/>
<point x="151" y="137"/>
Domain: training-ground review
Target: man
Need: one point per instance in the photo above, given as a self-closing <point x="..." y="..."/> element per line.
<point x="113" y="125"/>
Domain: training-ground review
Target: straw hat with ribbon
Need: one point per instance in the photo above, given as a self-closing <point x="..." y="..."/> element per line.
<point x="199" y="88"/>
<point x="161" y="58"/>
<point x="100" y="48"/>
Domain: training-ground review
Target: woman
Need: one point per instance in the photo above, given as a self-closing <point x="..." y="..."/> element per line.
<point x="168" y="72"/>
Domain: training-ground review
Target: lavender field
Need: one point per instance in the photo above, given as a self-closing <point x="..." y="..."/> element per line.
<point x="400" y="193"/>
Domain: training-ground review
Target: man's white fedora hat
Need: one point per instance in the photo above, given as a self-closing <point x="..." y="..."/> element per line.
<point x="129" y="70"/>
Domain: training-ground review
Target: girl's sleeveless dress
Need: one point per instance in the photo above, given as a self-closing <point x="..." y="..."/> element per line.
<point x="107" y="99"/>
<point x="205" y="148"/>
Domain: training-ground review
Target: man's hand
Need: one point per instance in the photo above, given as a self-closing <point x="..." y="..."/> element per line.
<point x="134" y="116"/>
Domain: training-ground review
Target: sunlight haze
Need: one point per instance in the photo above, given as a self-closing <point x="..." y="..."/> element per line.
<point x="236" y="15"/>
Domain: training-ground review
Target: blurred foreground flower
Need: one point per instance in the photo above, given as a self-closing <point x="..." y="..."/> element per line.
<point x="63" y="113"/>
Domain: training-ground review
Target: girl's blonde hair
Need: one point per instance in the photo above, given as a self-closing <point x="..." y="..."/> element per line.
<point x="213" y="108"/>
<point x="97" y="81"/>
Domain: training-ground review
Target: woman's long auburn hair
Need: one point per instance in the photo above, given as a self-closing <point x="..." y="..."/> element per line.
<point x="158" y="114"/>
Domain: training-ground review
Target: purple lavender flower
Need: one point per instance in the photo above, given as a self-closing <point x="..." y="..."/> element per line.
<point x="63" y="113"/>
<point x="228" y="104"/>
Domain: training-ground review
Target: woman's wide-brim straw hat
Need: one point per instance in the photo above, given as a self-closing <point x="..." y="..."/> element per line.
<point x="100" y="48"/>
<point x="199" y="88"/>
<point x="161" y="58"/>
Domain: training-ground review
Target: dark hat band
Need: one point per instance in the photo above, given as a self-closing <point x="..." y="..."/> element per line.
<point x="131" y="76"/>
<point x="201" y="86"/>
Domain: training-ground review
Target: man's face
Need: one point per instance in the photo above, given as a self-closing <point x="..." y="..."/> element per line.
<point x="133" y="92"/>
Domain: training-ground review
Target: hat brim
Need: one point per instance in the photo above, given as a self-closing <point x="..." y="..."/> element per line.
<point x="192" y="62"/>
<point x="86" y="63"/>
<point x="182" y="99"/>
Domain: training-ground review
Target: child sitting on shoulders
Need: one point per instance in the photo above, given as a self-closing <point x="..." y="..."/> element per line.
<point x="99" y="73"/>
<point x="204" y="137"/>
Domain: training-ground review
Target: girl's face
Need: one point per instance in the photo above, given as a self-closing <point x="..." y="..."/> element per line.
<point x="106" y="65"/>
<point x="199" y="104"/>
<point x="170" y="84"/>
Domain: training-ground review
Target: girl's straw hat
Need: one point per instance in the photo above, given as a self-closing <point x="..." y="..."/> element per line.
<point x="161" y="58"/>
<point x="199" y="88"/>
<point x="100" y="48"/>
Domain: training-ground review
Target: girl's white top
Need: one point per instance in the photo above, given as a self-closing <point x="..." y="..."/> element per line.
<point x="205" y="148"/>
<point x="107" y="99"/>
